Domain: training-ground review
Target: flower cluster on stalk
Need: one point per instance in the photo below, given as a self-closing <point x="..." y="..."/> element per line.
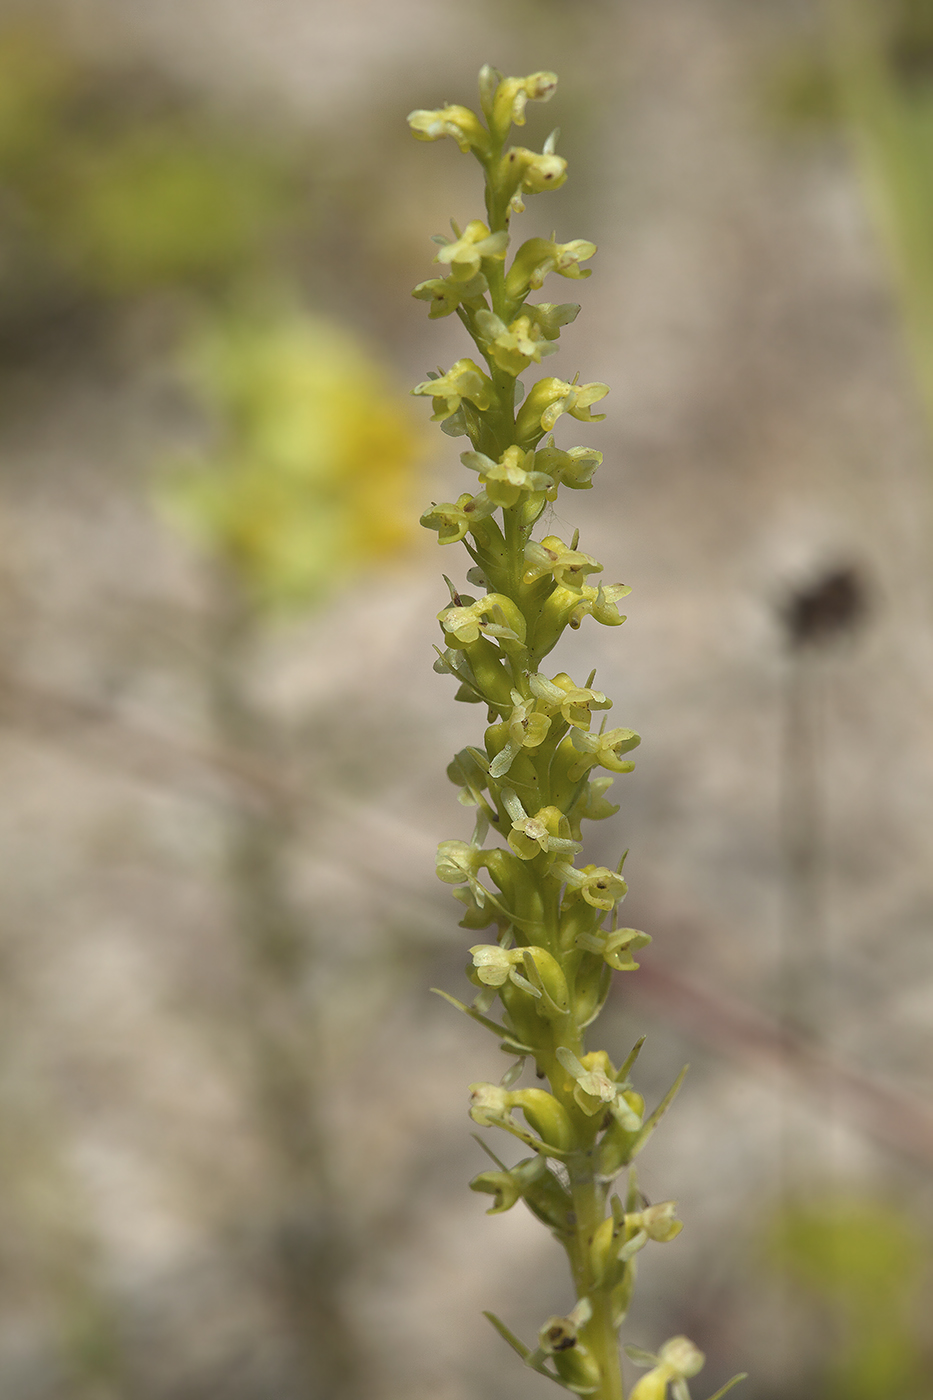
<point x="534" y="778"/>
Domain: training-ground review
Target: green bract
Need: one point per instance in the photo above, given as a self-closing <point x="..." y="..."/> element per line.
<point x="535" y="778"/>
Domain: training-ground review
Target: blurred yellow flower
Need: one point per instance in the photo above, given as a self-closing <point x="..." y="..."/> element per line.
<point x="309" y="474"/>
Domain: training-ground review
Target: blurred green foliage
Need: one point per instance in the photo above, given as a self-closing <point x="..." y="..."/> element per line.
<point x="800" y="92"/>
<point x="110" y="188"/>
<point x="863" y="1264"/>
<point x="907" y="37"/>
<point x="158" y="207"/>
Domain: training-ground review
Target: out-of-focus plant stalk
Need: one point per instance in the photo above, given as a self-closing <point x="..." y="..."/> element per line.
<point x="532" y="783"/>
<point x="312" y="1252"/>
<point x="890" y="122"/>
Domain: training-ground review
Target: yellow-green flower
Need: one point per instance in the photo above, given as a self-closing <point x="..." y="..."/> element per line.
<point x="527" y="729"/>
<point x="494" y="965"/>
<point x="464" y="380"/>
<point x="659" y="1222"/>
<point x="568" y="567"/>
<point x="510" y="477"/>
<point x="559" y="1338"/>
<point x="531" y="172"/>
<point x="549" y="398"/>
<point x="459" y="863"/>
<point x="599" y="886"/>
<point x="595" y="1087"/>
<point x="464" y="622"/>
<point x="539" y="256"/>
<point x="549" y="318"/>
<point x="510" y="96"/>
<point x="677" y="1361"/>
<point x="465" y="256"/>
<point x="516" y="346"/>
<point x="573" y="468"/>
<point x="491" y="1105"/>
<point x="575" y="702"/>
<point x="599" y="603"/>
<point x="545" y="831"/>
<point x="452" y="520"/>
<point x="604" y="750"/>
<point x="308" y="475"/>
<point x="615" y="945"/>
<point x="458" y="122"/>
<point x="533" y="1182"/>
<point x="445" y="294"/>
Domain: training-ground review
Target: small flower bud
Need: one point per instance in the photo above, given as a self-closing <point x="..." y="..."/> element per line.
<point x="602" y="1248"/>
<point x="547" y="1199"/>
<point x="578" y="1369"/>
<point x="489" y="80"/>
<point x="548" y="1117"/>
<point x="651" y="1386"/>
<point x="590" y="988"/>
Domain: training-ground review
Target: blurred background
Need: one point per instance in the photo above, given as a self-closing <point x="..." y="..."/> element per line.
<point x="233" y="1127"/>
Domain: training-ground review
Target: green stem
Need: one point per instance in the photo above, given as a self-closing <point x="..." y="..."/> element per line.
<point x="589" y="1196"/>
<point x="599" y="1334"/>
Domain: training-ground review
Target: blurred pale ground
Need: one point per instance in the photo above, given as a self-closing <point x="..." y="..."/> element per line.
<point x="763" y="427"/>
